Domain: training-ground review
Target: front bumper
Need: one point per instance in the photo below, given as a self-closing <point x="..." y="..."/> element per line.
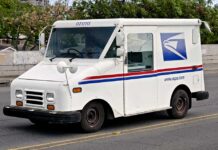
<point x="58" y="117"/>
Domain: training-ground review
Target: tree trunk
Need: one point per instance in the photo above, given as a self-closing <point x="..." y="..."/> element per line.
<point x="25" y="44"/>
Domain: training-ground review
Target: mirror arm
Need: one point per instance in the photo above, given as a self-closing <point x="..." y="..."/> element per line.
<point x="67" y="83"/>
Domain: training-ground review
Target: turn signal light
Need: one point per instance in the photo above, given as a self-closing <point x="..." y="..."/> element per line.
<point x="19" y="103"/>
<point x="50" y="107"/>
<point x="77" y="90"/>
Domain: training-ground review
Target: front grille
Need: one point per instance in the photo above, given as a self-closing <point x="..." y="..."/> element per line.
<point x="34" y="102"/>
<point x="34" y="98"/>
<point x="34" y="93"/>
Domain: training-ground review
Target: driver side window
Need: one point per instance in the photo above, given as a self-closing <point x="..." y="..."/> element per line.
<point x="140" y="51"/>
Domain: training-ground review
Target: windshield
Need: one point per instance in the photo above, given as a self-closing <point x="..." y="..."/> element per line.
<point x="78" y="42"/>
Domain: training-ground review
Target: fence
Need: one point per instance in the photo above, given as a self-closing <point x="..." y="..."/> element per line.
<point x="12" y="64"/>
<point x="210" y="58"/>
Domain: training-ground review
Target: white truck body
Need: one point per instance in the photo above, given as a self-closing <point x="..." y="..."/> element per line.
<point x="160" y="55"/>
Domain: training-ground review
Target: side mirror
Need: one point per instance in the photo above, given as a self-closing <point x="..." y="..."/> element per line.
<point x="42" y="39"/>
<point x="62" y="67"/>
<point x="120" y="39"/>
<point x="207" y="26"/>
<point x="42" y="43"/>
<point x="73" y="68"/>
<point x="120" y="52"/>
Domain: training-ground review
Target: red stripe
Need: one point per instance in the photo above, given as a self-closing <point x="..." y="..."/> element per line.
<point x="180" y="68"/>
<point x="143" y="72"/>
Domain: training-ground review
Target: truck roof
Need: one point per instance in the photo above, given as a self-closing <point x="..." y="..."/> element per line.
<point x="122" y="21"/>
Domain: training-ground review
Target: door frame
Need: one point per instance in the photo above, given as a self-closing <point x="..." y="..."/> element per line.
<point x="136" y="29"/>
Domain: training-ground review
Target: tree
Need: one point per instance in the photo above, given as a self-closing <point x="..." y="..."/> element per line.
<point x="10" y="24"/>
<point x="152" y="9"/>
<point x="24" y="19"/>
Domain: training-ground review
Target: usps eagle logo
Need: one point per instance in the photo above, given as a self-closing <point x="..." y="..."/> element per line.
<point x="173" y="46"/>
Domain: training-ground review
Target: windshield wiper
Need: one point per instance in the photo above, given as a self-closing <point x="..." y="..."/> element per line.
<point x="70" y="60"/>
<point x="76" y="56"/>
<point x="51" y="59"/>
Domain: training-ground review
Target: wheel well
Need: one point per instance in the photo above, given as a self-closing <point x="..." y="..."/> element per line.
<point x="108" y="110"/>
<point x="185" y="88"/>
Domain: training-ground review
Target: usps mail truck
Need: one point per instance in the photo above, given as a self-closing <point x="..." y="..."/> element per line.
<point x="101" y="69"/>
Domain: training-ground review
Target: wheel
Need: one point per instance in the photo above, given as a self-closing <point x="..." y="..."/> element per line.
<point x="179" y="104"/>
<point x="92" y="117"/>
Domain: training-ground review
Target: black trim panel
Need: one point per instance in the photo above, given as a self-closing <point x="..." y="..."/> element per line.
<point x="201" y="95"/>
<point x="59" y="117"/>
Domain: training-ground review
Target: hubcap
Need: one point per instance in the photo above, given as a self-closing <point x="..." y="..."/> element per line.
<point x="92" y="116"/>
<point x="180" y="105"/>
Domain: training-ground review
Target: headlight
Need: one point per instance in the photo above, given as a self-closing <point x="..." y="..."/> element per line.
<point x="50" y="97"/>
<point x="19" y="94"/>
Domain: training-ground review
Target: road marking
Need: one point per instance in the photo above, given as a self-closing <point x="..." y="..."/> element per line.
<point x="117" y="133"/>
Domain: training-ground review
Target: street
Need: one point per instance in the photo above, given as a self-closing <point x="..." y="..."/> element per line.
<point x="153" y="131"/>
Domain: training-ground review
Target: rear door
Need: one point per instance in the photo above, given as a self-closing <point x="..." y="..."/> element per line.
<point x="140" y="81"/>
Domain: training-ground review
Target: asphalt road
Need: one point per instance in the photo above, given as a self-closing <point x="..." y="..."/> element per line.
<point x="155" y="131"/>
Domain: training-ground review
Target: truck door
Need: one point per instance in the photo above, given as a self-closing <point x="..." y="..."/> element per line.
<point x="140" y="81"/>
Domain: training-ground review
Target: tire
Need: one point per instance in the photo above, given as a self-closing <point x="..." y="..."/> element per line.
<point x="180" y="104"/>
<point x="93" y="116"/>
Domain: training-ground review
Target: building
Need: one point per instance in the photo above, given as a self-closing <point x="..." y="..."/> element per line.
<point x="37" y="2"/>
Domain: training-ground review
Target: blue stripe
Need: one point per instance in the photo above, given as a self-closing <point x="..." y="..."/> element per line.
<point x="138" y="77"/>
<point x="141" y="76"/>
